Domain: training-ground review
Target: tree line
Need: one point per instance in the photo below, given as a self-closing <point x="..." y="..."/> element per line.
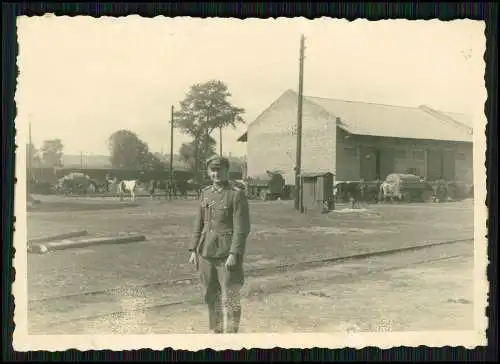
<point x="49" y="155"/>
<point x="205" y="108"/>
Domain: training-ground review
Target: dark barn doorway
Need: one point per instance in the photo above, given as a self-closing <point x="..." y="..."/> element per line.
<point x="368" y="163"/>
<point x="440" y="164"/>
<point x="385" y="163"/>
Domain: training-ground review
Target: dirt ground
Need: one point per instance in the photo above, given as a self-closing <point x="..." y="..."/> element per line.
<point x="279" y="235"/>
<point x="413" y="291"/>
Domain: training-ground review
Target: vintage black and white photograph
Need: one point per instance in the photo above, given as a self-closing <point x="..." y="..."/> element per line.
<point x="224" y="183"/>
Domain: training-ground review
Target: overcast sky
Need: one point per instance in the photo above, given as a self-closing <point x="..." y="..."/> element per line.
<point x="82" y="78"/>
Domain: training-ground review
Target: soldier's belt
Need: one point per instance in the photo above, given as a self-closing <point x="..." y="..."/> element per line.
<point x="220" y="230"/>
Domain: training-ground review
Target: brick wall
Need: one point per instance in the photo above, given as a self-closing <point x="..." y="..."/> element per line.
<point x="272" y="139"/>
<point x="398" y="155"/>
<point x="464" y="163"/>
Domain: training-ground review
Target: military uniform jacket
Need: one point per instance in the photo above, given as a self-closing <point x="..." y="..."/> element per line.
<point x="222" y="222"/>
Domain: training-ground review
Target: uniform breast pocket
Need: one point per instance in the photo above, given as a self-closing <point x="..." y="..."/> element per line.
<point x="225" y="240"/>
<point x="224" y="213"/>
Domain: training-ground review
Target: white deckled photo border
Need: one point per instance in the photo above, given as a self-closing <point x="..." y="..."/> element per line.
<point x="22" y="341"/>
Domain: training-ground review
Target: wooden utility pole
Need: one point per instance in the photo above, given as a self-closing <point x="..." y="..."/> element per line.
<point x="220" y="140"/>
<point x="299" y="205"/>
<point x="30" y="157"/>
<point x="171" y="148"/>
<point x="205" y="150"/>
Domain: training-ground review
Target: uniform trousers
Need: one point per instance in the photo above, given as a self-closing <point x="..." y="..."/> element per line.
<point x="221" y="292"/>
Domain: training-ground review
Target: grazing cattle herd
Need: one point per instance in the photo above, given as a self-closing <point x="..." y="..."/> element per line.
<point x="395" y="187"/>
<point x="400" y="187"/>
<point x="81" y="184"/>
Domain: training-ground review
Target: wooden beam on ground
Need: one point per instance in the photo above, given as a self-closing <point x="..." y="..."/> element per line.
<point x="71" y="244"/>
<point x="72" y="234"/>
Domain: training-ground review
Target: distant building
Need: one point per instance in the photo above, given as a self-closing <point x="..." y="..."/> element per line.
<point x="355" y="140"/>
<point x="97" y="166"/>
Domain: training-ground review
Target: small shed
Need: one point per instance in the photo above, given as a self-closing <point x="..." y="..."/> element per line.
<point x="318" y="191"/>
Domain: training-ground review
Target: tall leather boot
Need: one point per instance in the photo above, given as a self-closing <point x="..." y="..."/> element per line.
<point x="215" y="316"/>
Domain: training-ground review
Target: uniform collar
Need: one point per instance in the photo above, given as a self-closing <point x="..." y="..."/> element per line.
<point x="219" y="188"/>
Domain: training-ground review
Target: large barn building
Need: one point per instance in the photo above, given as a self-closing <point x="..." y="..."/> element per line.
<point x="359" y="140"/>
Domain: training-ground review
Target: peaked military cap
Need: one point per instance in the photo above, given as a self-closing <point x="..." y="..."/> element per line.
<point x="218" y="162"/>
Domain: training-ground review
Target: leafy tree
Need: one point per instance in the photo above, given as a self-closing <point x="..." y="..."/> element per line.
<point x="155" y="163"/>
<point x="205" y="108"/>
<point x="128" y="151"/>
<point x="52" y="152"/>
<point x="189" y="153"/>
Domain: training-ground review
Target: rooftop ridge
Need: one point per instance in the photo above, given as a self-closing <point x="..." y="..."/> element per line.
<point x="361" y="102"/>
<point x="442" y="116"/>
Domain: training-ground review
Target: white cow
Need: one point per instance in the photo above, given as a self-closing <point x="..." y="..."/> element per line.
<point x="388" y="190"/>
<point x="127" y="186"/>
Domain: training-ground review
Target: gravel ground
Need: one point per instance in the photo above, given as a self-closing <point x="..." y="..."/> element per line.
<point x="413" y="291"/>
<point x="279" y="235"/>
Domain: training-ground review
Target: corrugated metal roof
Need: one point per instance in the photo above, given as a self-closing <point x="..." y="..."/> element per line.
<point x="364" y="118"/>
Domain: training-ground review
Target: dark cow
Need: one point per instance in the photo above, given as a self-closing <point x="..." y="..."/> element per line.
<point x="152" y="186"/>
<point x="440" y="189"/>
<point x="354" y="192"/>
<point x="176" y="188"/>
<point x="170" y="189"/>
<point x="99" y="185"/>
<point x="161" y="185"/>
<point x="373" y="191"/>
<point x="182" y="188"/>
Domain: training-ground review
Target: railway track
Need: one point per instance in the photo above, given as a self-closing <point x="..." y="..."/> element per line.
<point x="260" y="271"/>
<point x="277" y="270"/>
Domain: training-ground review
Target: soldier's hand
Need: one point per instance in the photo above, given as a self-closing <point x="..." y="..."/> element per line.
<point x="230" y="261"/>
<point x="193" y="258"/>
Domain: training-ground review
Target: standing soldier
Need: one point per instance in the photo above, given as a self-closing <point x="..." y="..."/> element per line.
<point x="218" y="246"/>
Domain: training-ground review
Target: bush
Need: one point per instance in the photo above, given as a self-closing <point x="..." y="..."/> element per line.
<point x="41" y="188"/>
